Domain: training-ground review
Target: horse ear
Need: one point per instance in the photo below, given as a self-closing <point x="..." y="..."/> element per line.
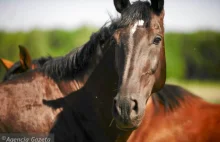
<point x="120" y="5"/>
<point x="25" y="58"/>
<point x="6" y="63"/>
<point x="157" y="6"/>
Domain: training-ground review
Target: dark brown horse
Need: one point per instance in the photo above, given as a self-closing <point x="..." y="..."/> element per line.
<point x="133" y="67"/>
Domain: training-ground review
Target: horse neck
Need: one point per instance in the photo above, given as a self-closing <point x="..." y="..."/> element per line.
<point x="102" y="84"/>
<point x="95" y="98"/>
<point x="75" y="84"/>
<point x="81" y="78"/>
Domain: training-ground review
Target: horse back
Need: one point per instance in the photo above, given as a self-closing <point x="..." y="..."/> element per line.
<point x="22" y="108"/>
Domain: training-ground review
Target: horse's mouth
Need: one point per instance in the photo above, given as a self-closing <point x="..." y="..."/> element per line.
<point x="131" y="127"/>
<point x="126" y="129"/>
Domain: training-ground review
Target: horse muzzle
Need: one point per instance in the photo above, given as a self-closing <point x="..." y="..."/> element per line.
<point x="128" y="112"/>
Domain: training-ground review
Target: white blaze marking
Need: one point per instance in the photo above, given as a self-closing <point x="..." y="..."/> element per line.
<point x="130" y="46"/>
<point x="134" y="28"/>
<point x="140" y="22"/>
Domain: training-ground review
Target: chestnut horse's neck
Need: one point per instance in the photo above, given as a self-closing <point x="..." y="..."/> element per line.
<point x="160" y="111"/>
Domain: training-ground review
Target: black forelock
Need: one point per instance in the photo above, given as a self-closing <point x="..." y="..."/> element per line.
<point x="139" y="10"/>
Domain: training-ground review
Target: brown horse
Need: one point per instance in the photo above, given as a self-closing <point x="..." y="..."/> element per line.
<point x="24" y="64"/>
<point x="133" y="67"/>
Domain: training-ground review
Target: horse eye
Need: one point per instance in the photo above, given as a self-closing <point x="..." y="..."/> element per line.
<point x="157" y="40"/>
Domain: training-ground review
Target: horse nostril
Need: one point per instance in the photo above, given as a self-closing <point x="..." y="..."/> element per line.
<point x="134" y="106"/>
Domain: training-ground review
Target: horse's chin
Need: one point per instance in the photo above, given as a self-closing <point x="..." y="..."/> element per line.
<point x="126" y="129"/>
<point x="132" y="127"/>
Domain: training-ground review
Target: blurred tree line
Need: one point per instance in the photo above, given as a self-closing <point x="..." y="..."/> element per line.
<point x="189" y="56"/>
<point x="193" y="55"/>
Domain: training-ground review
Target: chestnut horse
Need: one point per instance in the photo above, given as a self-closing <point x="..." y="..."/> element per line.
<point x="132" y="71"/>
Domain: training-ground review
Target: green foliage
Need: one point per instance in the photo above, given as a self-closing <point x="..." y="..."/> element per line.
<point x="201" y="52"/>
<point x="174" y="57"/>
<point x="193" y="55"/>
<point x="185" y="53"/>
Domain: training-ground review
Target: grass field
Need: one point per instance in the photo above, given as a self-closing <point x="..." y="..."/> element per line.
<point x="209" y="91"/>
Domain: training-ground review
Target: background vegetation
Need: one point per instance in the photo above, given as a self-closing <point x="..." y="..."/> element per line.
<point x="189" y="56"/>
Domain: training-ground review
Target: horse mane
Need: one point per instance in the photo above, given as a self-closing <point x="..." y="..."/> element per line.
<point x="68" y="66"/>
<point x="40" y="61"/>
<point x="171" y="96"/>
